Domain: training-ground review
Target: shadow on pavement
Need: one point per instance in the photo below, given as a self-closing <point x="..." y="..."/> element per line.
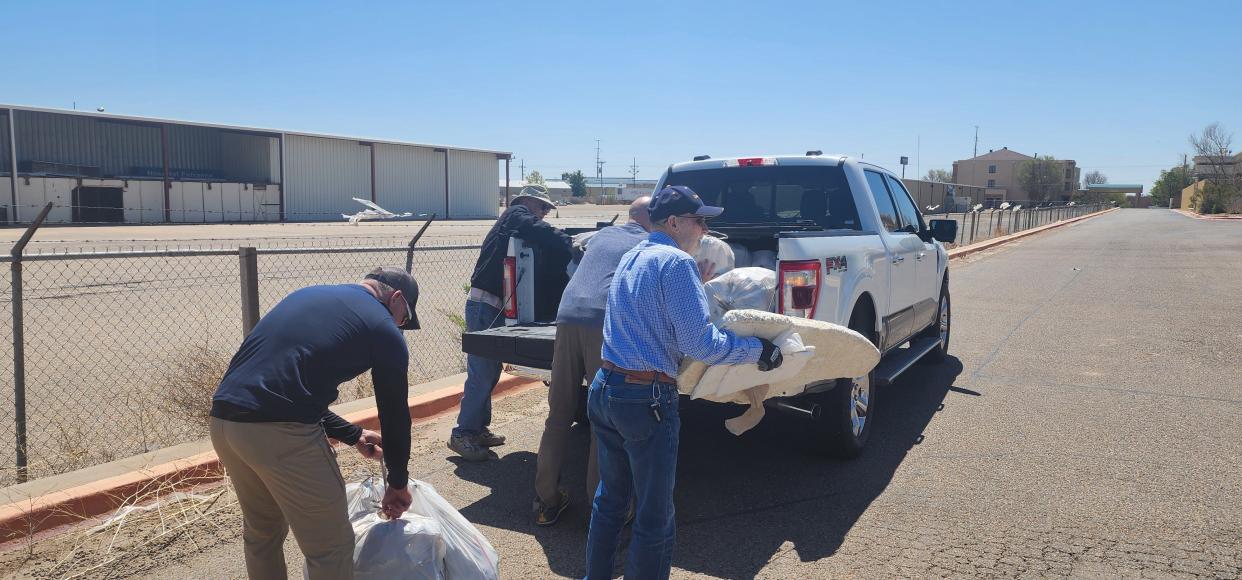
<point x="739" y="499"/>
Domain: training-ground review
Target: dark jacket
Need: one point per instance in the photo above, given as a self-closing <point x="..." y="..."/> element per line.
<point x="551" y="259"/>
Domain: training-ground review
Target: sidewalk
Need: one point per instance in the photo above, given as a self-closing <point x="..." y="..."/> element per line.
<point x="49" y="502"/>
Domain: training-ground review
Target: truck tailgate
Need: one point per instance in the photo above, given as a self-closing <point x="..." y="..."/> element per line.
<point x="528" y="345"/>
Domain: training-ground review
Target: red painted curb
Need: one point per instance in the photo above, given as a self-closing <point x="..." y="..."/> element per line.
<point x="992" y="243"/>
<point x="26" y="518"/>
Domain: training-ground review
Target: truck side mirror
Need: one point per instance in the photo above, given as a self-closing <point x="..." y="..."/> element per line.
<point x="944" y="231"/>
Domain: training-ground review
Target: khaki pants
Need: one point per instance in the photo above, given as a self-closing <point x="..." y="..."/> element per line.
<point x="575" y="357"/>
<point x="286" y="476"/>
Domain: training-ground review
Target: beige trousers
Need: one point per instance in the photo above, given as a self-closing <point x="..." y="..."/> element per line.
<point x="575" y="358"/>
<point x="286" y="476"/>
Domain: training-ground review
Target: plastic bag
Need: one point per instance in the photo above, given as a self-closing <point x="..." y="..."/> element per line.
<point x="411" y="547"/>
<point x="741" y="256"/>
<point x="763" y="259"/>
<point x="469" y="554"/>
<point x="741" y="288"/>
<point x="714" y="256"/>
<point x="430" y="540"/>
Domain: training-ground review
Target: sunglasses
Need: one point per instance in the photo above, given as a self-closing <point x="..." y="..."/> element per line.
<point x="409" y="314"/>
<point x="698" y="219"/>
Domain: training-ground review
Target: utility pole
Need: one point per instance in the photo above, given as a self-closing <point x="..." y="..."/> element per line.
<point x="599" y="169"/>
<point x="634" y="171"/>
<point x="522" y="164"/>
<point x="976" y="154"/>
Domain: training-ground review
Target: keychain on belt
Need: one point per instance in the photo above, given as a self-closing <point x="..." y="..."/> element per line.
<point x="655" y="404"/>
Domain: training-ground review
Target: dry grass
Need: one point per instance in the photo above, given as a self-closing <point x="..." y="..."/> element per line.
<point x="186" y="382"/>
<point x="154" y="525"/>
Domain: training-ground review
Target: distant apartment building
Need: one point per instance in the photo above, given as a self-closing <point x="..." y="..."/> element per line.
<point x="1213" y="166"/>
<point x="997" y="172"/>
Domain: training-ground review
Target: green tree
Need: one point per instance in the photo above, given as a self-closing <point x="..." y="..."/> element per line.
<point x="577" y="183"/>
<point x="1041" y="178"/>
<point x="938" y="176"/>
<point x="1170" y="183"/>
<point x="535" y="178"/>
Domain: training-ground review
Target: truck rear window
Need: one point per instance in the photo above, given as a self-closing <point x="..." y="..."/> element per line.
<point x="800" y="194"/>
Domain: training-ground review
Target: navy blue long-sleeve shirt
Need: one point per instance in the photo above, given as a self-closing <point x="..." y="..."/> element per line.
<point x="291" y="364"/>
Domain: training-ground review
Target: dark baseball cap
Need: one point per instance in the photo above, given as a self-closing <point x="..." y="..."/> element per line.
<point x="398" y="279"/>
<point x="680" y="200"/>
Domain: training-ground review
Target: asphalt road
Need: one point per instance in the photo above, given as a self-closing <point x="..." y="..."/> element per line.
<point x="1088" y="424"/>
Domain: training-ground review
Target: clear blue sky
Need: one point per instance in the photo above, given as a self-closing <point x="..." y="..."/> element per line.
<point x="1118" y="86"/>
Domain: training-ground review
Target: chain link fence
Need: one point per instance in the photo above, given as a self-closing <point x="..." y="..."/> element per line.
<point x="123" y="349"/>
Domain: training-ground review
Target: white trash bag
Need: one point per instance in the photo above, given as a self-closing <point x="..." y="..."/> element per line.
<point x="741" y="256"/>
<point x="715" y="255"/>
<point x="469" y="555"/>
<point x="741" y="288"/>
<point x="431" y="540"/>
<point x="763" y="259"/>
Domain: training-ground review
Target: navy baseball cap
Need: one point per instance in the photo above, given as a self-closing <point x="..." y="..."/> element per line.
<point x="679" y="200"/>
<point x="399" y="279"/>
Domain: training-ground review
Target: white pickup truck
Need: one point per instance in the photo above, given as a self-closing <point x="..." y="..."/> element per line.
<point x="851" y="247"/>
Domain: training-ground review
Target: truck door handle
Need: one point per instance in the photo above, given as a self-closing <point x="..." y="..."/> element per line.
<point x="898" y="259"/>
<point x="920" y="256"/>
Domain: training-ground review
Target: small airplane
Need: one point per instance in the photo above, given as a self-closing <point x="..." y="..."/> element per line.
<point x="373" y="212"/>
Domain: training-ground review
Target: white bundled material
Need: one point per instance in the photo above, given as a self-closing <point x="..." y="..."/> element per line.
<point x="838" y="353"/>
<point x="714" y="256"/>
<point x="763" y="259"/>
<point x="430" y="541"/>
<point x="724" y="382"/>
<point x="741" y="288"/>
<point x="741" y="256"/>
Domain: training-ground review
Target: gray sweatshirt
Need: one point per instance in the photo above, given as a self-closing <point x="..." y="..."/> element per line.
<point x="586" y="296"/>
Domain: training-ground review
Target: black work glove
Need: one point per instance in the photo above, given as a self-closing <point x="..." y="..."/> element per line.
<point x="771" y="356"/>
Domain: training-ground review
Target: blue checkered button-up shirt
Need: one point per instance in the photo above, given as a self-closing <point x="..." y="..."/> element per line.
<point x="657" y="312"/>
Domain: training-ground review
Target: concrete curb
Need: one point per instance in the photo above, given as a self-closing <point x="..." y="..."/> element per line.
<point x="25" y="518"/>
<point x="21" y="519"/>
<point x="992" y="243"/>
<point x="1213" y="217"/>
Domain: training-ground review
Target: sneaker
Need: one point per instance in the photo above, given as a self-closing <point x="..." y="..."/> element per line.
<point x="467" y="446"/>
<point x="489" y="439"/>
<point x="546" y="515"/>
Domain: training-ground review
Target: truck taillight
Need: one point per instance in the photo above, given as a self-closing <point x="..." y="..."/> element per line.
<point x="510" y="287"/>
<point x="750" y="162"/>
<point x="799" y="287"/>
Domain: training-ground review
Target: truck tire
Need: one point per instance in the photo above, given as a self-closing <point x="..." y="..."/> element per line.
<point x="849" y="408"/>
<point x="941" y="327"/>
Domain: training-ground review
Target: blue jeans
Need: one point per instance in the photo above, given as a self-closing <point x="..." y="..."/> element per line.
<point x="481" y="374"/>
<point x="637" y="457"/>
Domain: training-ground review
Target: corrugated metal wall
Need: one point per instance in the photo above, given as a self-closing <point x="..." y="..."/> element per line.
<point x="472" y="184"/>
<point x="321" y="175"/>
<point x="114" y="147"/>
<point x="129" y="149"/>
<point x="220" y="154"/>
<point x="6" y="159"/>
<point x="409" y="179"/>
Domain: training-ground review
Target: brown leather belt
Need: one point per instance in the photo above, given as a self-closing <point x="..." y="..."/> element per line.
<point x="640" y="377"/>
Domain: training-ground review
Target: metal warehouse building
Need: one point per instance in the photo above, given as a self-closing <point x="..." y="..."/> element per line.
<point x="111" y="168"/>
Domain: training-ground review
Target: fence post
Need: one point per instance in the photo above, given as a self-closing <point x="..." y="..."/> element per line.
<point x="409" y="254"/>
<point x="249" y="259"/>
<point x="19" y="346"/>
